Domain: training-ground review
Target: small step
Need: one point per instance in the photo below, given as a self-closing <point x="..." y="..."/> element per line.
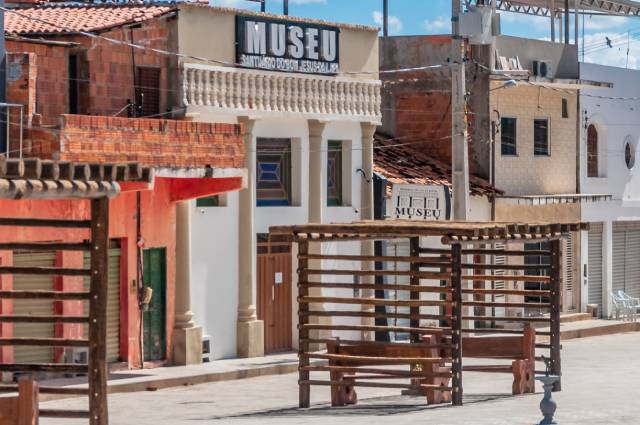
<point x="575" y="317"/>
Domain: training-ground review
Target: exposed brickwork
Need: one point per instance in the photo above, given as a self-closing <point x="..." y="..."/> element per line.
<point x="426" y="117"/>
<point x="152" y="142"/>
<point x="105" y="79"/>
<point x="110" y="67"/>
<point x="49" y="65"/>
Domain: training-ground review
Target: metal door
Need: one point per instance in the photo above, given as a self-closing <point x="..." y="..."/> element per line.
<point x="274" y="295"/>
<point x="594" y="266"/>
<point x="154" y="317"/>
<point x="626" y="255"/>
<point x="113" y="304"/>
<point x="33" y="307"/>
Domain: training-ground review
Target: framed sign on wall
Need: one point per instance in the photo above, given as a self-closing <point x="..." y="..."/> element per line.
<point x="420" y="202"/>
<point x="279" y="45"/>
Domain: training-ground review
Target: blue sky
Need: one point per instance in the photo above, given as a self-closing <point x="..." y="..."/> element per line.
<point x="408" y="17"/>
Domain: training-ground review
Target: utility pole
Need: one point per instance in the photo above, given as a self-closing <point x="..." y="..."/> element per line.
<point x="459" y="150"/>
<point x="385" y="18"/>
<point x="285" y="7"/>
<point x="567" y="40"/>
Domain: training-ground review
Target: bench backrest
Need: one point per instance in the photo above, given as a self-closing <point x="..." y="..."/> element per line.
<point x="501" y="347"/>
<point x="23" y="408"/>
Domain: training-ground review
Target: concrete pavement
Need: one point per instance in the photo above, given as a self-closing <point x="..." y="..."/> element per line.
<point x="600" y="386"/>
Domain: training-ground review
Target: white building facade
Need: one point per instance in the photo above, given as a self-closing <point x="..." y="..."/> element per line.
<point x="308" y="96"/>
<point x="610" y="131"/>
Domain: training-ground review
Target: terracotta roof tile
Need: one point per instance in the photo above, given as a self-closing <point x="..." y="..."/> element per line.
<point x="75" y="18"/>
<point x="408" y="165"/>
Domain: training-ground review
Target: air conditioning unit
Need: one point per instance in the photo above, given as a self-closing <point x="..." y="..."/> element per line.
<point x="206" y="348"/>
<point x="542" y="68"/>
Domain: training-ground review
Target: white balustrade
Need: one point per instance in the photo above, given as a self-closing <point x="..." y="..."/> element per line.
<point x="241" y="89"/>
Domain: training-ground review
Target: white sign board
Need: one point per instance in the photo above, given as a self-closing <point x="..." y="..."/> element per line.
<point x="420" y="202"/>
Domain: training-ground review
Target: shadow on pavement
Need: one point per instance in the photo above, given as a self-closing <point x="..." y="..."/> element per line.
<point x="379" y="406"/>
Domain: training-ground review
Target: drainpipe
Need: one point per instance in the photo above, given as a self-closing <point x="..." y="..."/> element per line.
<point x="3" y="80"/>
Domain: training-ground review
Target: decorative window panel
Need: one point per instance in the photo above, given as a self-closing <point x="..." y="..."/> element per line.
<point x="273" y="172"/>
<point x="334" y="174"/>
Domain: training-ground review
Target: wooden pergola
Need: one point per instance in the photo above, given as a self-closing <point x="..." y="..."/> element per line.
<point x="54" y="180"/>
<point x="451" y="273"/>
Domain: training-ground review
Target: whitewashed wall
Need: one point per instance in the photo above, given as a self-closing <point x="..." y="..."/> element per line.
<point x="215" y="230"/>
<point x="615" y="120"/>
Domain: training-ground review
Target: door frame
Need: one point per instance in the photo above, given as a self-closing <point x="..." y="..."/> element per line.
<point x="270" y="249"/>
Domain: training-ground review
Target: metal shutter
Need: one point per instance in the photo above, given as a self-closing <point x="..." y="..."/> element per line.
<point x="594" y="267"/>
<point x="35" y="307"/>
<point x="567" y="272"/>
<point x="632" y="262"/>
<point x="399" y="248"/>
<point x="113" y="304"/>
<point x="626" y="255"/>
<point x="618" y="259"/>
<point x="499" y="284"/>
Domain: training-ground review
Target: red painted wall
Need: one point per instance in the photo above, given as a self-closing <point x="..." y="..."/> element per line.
<point x="158" y="229"/>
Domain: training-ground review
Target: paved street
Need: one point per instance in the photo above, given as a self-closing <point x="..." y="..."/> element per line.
<point x="600" y="386"/>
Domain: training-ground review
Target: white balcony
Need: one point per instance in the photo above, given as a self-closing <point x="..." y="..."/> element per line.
<point x="249" y="92"/>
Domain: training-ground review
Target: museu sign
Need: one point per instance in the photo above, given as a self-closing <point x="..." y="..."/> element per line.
<point x="278" y="45"/>
<point x="420" y="202"/>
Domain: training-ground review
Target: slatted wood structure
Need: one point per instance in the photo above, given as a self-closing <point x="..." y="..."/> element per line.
<point x="35" y="179"/>
<point x="452" y="275"/>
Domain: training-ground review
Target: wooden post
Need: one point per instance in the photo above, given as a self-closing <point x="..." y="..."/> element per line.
<point x="28" y="409"/>
<point x="303" y="319"/>
<point x="456" y="324"/>
<point x="414" y="251"/>
<point x="98" y="412"/>
<point x="556" y="291"/>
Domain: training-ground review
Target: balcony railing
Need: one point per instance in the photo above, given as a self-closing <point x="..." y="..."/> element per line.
<point x="308" y="95"/>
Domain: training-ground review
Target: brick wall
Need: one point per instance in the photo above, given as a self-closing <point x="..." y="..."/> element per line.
<point x="425" y="116"/>
<point x="525" y="173"/>
<point x="111" y="66"/>
<point x="48" y="63"/>
<point x="152" y="142"/>
<point x="105" y="79"/>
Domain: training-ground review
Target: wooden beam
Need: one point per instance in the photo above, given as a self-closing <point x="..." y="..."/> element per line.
<point x="556" y="294"/>
<point x="456" y="338"/>
<point x="39" y="222"/>
<point x="31" y="318"/>
<point x="35" y="246"/>
<point x="50" y="170"/>
<point x="43" y="342"/>
<point x="32" y="168"/>
<point x="44" y="367"/>
<point x="43" y="271"/>
<point x="304" y="390"/>
<point x="98" y="373"/>
<point x="45" y="295"/>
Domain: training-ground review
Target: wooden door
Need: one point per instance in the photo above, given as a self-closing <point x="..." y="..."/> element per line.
<point x="154" y="317"/>
<point x="274" y="295"/>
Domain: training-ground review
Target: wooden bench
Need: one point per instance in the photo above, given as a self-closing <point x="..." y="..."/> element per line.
<point x="519" y="349"/>
<point x="23" y="408"/>
<point x="373" y="356"/>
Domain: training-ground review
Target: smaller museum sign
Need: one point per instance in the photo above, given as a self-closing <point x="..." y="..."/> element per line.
<point x="420" y="202"/>
<point x="278" y="45"/>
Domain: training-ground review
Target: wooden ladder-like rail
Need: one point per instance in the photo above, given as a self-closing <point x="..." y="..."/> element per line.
<point x="96" y="297"/>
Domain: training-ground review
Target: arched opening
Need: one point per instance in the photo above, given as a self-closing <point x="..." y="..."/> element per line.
<point x="592" y="151"/>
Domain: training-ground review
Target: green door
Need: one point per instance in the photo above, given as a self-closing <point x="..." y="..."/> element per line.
<point x="154" y="318"/>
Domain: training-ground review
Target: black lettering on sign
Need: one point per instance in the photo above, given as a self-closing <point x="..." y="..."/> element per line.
<point x="278" y="45"/>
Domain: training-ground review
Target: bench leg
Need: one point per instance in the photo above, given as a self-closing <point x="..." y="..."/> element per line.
<point x="523" y="376"/>
<point x="437" y="396"/>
